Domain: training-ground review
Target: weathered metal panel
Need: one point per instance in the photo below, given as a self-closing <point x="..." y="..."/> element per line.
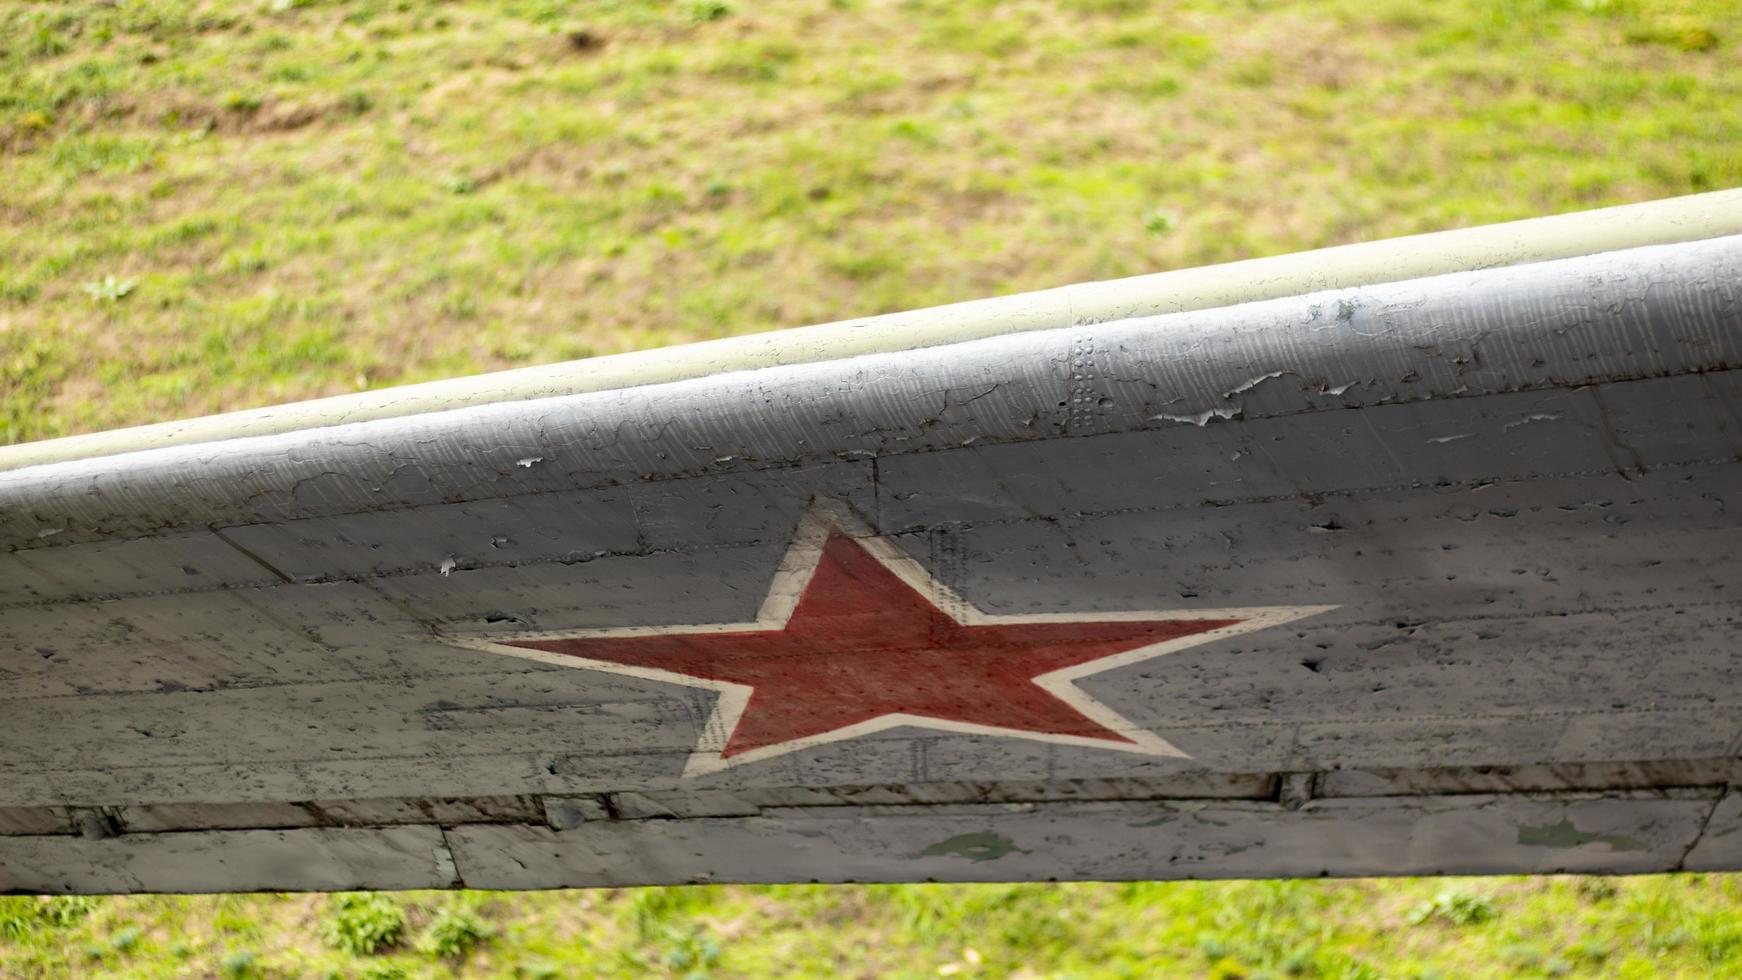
<point x="170" y="817"/>
<point x="1720" y="845"/>
<point x="143" y="566"/>
<point x="1620" y="317"/>
<point x="35" y="820"/>
<point x="1473" y="538"/>
<point x="1683" y="773"/>
<point x="499" y="532"/>
<point x="1412" y="699"/>
<point x="1109" y="841"/>
<point x="1498" y="440"/>
<point x="324" y="859"/>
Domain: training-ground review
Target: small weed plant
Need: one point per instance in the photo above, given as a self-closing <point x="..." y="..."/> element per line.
<point x="363" y="923"/>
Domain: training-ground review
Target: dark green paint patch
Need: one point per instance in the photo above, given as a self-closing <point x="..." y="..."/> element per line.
<point x="982" y="846"/>
<point x="1564" y="834"/>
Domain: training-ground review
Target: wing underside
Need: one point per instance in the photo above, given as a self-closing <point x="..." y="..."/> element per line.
<point x="1492" y="517"/>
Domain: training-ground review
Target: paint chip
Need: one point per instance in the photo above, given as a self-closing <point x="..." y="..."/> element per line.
<point x="1252" y="383"/>
<point x="1538" y="417"/>
<point x="528" y="461"/>
<point x="1201" y="419"/>
<point x="448" y="565"/>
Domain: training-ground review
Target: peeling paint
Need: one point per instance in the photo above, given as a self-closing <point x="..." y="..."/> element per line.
<point x="1201" y="419"/>
<point x="1251" y="383"/>
<point x="1533" y="418"/>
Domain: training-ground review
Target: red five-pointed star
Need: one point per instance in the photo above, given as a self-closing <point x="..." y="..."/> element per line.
<point x="852" y="640"/>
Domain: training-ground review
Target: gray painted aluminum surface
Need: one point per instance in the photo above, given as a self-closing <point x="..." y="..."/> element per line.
<point x="1493" y="515"/>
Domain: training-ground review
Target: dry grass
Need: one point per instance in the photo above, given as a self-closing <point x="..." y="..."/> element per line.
<point x="314" y="197"/>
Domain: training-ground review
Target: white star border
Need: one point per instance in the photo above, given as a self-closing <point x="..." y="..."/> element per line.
<point x="799" y="564"/>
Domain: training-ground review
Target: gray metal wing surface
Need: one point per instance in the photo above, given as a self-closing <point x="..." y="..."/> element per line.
<point x="1416" y="557"/>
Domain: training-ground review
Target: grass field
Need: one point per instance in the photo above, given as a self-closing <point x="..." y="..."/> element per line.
<point x="212" y="205"/>
<point x="1646" y="927"/>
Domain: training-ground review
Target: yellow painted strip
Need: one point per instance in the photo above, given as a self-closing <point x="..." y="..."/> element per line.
<point x="1539" y="239"/>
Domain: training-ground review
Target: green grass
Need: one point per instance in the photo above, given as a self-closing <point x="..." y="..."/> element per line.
<point x="210" y="205"/>
<point x="1646" y="927"/>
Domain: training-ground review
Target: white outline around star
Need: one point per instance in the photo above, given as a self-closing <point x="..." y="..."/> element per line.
<point x="797" y="567"/>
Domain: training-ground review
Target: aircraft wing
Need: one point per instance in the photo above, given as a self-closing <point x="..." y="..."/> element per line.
<point x="1414" y="557"/>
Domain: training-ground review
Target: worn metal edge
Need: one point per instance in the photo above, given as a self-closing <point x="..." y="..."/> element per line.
<point x="1664" y="222"/>
<point x="1626" y="832"/>
<point x="1703" y="778"/>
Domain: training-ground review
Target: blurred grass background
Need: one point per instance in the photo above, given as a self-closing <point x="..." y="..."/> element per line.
<point x="1451" y="929"/>
<point x="207" y="205"/>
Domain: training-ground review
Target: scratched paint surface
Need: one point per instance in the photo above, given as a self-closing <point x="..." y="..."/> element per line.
<point x="1508" y="499"/>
